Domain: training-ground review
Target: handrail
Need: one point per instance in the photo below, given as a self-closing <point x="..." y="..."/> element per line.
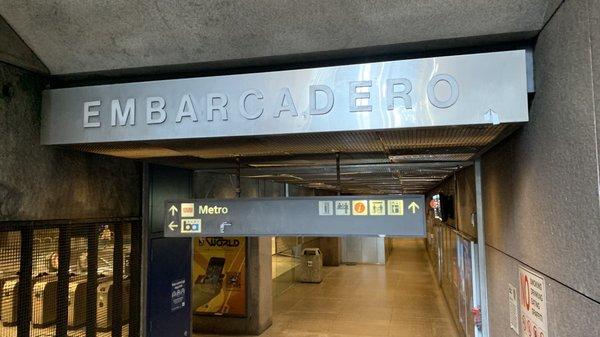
<point x="459" y="233"/>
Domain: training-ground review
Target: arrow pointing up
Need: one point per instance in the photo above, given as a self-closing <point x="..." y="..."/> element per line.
<point x="173" y="210"/>
<point x="173" y="225"/>
<point x="492" y="117"/>
<point x="413" y="207"/>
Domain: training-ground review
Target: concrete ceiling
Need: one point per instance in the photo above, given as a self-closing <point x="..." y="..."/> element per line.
<point x="86" y="36"/>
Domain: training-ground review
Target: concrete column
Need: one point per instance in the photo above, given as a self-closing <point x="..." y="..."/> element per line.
<point x="260" y="304"/>
<point x="332" y="250"/>
<point x="258" y="263"/>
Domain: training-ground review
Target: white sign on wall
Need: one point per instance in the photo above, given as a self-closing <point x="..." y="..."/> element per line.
<point x="534" y="319"/>
<point x="513" y="307"/>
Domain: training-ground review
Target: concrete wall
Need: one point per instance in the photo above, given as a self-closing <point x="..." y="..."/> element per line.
<point x="39" y="183"/>
<point x="14" y="51"/>
<point x="541" y="186"/>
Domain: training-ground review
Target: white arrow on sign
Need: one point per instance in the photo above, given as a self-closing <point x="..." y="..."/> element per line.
<point x="413" y="207"/>
<point x="173" y="210"/>
<point x="492" y="117"/>
<point x="173" y="225"/>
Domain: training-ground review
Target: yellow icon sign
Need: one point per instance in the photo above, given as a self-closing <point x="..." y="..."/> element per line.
<point x="377" y="207"/>
<point x="395" y="207"/>
<point x="359" y="207"/>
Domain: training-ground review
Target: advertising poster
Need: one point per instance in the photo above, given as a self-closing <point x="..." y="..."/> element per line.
<point x="534" y="320"/>
<point x="465" y="301"/>
<point x="177" y="295"/>
<point x="219" y="276"/>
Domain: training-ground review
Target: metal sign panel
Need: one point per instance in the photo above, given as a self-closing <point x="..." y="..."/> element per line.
<point x="439" y="91"/>
<point x="318" y="216"/>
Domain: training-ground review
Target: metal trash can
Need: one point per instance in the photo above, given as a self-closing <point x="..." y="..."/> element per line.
<point x="311" y="266"/>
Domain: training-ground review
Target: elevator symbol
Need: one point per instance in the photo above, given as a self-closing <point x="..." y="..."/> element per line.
<point x="395" y="207"/>
<point x="326" y="207"/>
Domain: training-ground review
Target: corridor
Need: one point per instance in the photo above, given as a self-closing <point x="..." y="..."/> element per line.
<point x="401" y="299"/>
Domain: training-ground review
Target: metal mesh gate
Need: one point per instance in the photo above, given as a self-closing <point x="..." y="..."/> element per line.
<point x="77" y="279"/>
<point x="10" y="266"/>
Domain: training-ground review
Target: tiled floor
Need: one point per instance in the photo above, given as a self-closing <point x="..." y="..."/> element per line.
<point x="398" y="300"/>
